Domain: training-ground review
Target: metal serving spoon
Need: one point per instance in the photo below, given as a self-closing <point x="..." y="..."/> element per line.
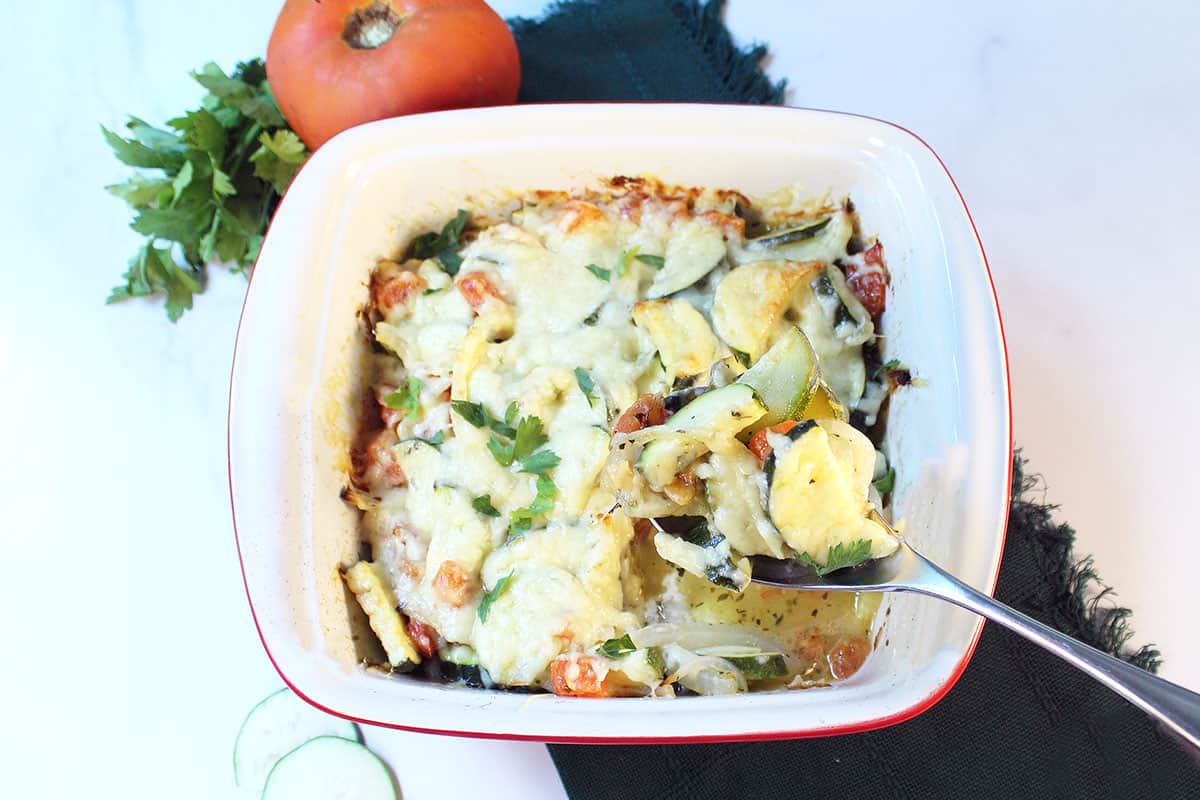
<point x="906" y="570"/>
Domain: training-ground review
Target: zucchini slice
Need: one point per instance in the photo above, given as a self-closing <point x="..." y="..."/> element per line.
<point x="728" y="410"/>
<point x="736" y="503"/>
<point x="328" y="768"/>
<point x="750" y="300"/>
<point x="280" y="723"/>
<point x="818" y="495"/>
<point x="756" y="665"/>
<point x="371" y="590"/>
<point x="786" y="378"/>
<point x="706" y="555"/>
<point x="460" y="664"/>
<point x="681" y="335"/>
<point x="818" y="240"/>
<point x="693" y="251"/>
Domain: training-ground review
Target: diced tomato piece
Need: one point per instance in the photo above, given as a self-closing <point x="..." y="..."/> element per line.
<point x="646" y="411"/>
<point x="375" y="464"/>
<point x="393" y="287"/>
<point x="848" y="657"/>
<point x="452" y="584"/>
<point x="870" y="285"/>
<point x="576" y="678"/>
<point x="476" y="288"/>
<point x="391" y="416"/>
<point x="758" y="443"/>
<point x="425" y="637"/>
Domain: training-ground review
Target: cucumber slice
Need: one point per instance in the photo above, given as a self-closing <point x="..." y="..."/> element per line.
<point x="727" y="410"/>
<point x="756" y="665"/>
<point x="277" y="725"/>
<point x="786" y="378"/>
<point x="329" y="768"/>
<point x="693" y="251"/>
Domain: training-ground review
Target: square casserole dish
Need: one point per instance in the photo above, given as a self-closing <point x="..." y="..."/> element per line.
<point x="296" y="383"/>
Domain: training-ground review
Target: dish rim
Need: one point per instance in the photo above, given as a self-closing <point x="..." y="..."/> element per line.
<point x="861" y="726"/>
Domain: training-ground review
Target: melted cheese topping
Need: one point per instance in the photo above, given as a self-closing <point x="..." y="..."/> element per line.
<point x="567" y="310"/>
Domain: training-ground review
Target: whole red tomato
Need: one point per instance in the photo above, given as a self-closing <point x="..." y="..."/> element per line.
<point x="333" y="64"/>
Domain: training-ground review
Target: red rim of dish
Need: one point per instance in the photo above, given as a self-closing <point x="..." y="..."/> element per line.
<point x="858" y="727"/>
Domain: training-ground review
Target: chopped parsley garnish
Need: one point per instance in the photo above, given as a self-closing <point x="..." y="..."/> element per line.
<point x="654" y="261"/>
<point x="436" y="440"/>
<point x="530" y="436"/>
<point x="599" y="272"/>
<point x="540" y="462"/>
<point x="501" y="450"/>
<point x="887" y="482"/>
<point x="510" y="413"/>
<point x="483" y="505"/>
<point x="521" y="519"/>
<point x="444" y="245"/>
<point x="586" y="385"/>
<point x="615" y="648"/>
<point x="480" y="417"/>
<point x="433" y="291"/>
<point x="841" y="556"/>
<point x="491" y="595"/>
<point x="406" y="398"/>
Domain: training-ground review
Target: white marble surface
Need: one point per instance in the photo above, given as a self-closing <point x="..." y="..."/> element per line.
<point x="129" y="658"/>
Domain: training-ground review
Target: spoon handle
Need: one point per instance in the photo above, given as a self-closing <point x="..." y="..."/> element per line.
<point x="1176" y="707"/>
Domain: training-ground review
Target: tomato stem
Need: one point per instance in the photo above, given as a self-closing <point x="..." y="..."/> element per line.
<point x="371" y="27"/>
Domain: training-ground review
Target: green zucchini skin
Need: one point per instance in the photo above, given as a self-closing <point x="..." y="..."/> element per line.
<point x="772" y="240"/>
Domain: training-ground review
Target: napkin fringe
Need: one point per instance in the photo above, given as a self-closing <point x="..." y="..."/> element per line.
<point x="738" y="69"/>
<point x="1079" y="602"/>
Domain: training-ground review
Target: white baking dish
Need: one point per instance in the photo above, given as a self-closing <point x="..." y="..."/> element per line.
<point x="295" y="389"/>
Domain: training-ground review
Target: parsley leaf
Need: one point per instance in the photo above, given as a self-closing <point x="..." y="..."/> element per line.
<point x="483" y="505"/>
<point x="444" y="245"/>
<point x="586" y="385"/>
<point x="540" y="462"/>
<point x="490" y="596"/>
<point x="437" y="439"/>
<point x="510" y="413"/>
<point x="471" y="412"/>
<point x="599" y="272"/>
<point x="521" y="519"/>
<point x="529" y="437"/>
<point x="406" y="398"/>
<point x="886" y="483"/>
<point x="480" y="417"/>
<point x="222" y="169"/>
<point x="655" y="261"/>
<point x="615" y="648"/>
<point x="501" y="450"/>
<point x="841" y="556"/>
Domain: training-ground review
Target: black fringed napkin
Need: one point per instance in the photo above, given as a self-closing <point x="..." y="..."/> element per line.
<point x="1019" y="723"/>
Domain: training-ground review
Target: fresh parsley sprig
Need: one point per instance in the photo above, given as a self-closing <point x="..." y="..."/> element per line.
<point x="841" y="556"/>
<point x="213" y="178"/>
<point x="442" y="246"/>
